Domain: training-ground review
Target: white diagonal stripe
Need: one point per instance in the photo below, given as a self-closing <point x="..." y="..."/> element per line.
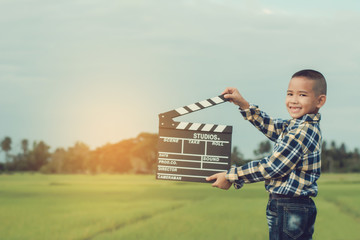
<point x="207" y="127"/>
<point x="193" y="107"/>
<point x="182" y="125"/>
<point x="220" y="128"/>
<point x="195" y="126"/>
<point x="181" y="110"/>
<point x="205" y="103"/>
<point x="217" y="100"/>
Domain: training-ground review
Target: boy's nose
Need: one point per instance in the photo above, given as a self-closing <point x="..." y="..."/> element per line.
<point x="294" y="100"/>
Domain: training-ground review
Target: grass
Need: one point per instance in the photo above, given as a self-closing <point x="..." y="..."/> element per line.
<point x="140" y="207"/>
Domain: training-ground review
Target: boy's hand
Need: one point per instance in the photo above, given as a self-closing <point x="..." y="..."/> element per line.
<point x="220" y="181"/>
<point x="235" y="97"/>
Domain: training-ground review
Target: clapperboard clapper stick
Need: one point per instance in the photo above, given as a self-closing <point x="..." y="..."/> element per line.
<point x="192" y="151"/>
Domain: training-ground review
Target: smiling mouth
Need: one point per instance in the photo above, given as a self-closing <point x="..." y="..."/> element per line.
<point x="295" y="109"/>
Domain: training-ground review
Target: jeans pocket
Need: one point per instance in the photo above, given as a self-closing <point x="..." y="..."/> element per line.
<point x="271" y="215"/>
<point x="295" y="220"/>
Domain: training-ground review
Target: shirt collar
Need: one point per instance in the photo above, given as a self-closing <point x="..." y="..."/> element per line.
<point x="308" y="118"/>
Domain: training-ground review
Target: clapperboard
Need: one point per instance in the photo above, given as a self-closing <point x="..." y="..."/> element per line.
<point x="192" y="151"/>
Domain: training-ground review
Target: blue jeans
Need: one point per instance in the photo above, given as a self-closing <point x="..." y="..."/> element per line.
<point x="291" y="218"/>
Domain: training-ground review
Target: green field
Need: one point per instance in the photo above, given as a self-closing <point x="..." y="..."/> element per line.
<point x="140" y="207"/>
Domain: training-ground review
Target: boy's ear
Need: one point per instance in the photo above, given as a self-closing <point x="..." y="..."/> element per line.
<point x="321" y="101"/>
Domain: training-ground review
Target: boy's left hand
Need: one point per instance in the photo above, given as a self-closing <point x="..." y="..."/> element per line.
<point x="220" y="181"/>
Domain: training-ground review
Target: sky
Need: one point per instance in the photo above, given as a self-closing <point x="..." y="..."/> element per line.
<point x="101" y="71"/>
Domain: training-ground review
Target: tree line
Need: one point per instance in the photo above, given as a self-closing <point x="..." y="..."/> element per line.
<point x="138" y="155"/>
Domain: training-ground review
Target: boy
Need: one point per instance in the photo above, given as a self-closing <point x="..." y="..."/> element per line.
<point x="291" y="171"/>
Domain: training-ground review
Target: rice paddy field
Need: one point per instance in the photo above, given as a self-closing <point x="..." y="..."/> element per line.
<point x="35" y="206"/>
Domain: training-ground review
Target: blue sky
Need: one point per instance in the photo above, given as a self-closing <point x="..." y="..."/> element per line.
<point x="101" y="71"/>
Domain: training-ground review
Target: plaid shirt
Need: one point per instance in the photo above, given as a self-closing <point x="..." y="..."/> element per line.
<point x="294" y="165"/>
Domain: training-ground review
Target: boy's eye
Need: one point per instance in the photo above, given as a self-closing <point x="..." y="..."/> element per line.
<point x="302" y="95"/>
<point x="289" y="94"/>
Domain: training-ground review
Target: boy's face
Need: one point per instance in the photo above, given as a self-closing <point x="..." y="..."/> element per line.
<point x="301" y="98"/>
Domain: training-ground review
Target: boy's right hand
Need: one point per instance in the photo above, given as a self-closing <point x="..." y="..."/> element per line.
<point x="220" y="181"/>
<point x="235" y="97"/>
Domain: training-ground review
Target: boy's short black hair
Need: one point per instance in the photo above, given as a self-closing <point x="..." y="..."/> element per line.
<point x="320" y="82"/>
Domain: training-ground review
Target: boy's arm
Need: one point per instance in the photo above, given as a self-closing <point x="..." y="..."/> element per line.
<point x="272" y="128"/>
<point x="281" y="162"/>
